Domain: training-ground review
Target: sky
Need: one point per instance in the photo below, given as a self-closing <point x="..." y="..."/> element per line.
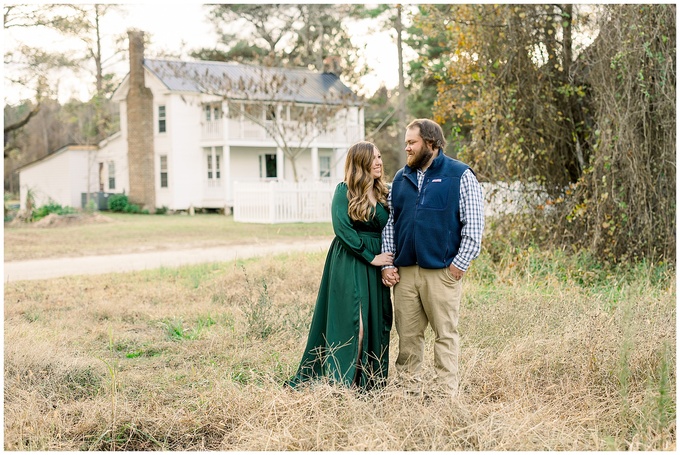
<point x="174" y="27"/>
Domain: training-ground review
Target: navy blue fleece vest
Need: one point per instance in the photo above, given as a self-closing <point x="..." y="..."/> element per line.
<point x="427" y="228"/>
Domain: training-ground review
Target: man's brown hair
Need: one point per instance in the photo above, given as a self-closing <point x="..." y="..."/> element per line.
<point x="430" y="131"/>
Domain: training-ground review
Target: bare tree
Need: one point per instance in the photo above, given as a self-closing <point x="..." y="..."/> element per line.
<point x="277" y="100"/>
<point x="32" y="66"/>
<point x="295" y="35"/>
<point x="85" y="23"/>
<point x="391" y="18"/>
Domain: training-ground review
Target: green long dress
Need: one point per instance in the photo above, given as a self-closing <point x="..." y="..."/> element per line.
<point x="350" y="287"/>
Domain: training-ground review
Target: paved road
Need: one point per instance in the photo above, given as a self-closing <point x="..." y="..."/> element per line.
<point x="40" y="269"/>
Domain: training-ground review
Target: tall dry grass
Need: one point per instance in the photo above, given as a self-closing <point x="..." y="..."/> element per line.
<point x="557" y="355"/>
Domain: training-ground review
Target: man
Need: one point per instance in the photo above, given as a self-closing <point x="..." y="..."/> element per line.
<point x="434" y="230"/>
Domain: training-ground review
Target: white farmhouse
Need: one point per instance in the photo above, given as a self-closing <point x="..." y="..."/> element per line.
<point x="192" y="131"/>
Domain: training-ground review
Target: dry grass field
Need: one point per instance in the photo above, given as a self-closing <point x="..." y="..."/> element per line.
<point x="557" y="354"/>
<point x="124" y="233"/>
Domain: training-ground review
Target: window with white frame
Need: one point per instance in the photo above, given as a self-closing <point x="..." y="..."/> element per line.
<point x="212" y="112"/>
<point x="268" y="166"/>
<point x="161" y="119"/>
<point x="164" y="171"/>
<point x="112" y="175"/>
<point x="325" y="167"/>
<point x="213" y="157"/>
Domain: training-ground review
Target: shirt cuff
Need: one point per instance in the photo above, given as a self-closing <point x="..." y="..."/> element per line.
<point x="367" y="255"/>
<point x="460" y="263"/>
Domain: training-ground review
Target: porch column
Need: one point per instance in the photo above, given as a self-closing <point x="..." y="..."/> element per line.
<point x="280" y="161"/>
<point x="228" y="181"/>
<point x="338" y="164"/>
<point x="225" y="122"/>
<point x="315" y="164"/>
<point x="361" y="127"/>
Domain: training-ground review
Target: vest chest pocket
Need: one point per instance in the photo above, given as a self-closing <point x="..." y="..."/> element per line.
<point x="435" y="193"/>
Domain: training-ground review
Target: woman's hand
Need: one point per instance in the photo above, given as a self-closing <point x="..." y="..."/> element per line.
<point x="390" y="276"/>
<point x="383" y="259"/>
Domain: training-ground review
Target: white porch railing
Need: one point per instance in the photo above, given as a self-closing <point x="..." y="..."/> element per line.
<point x="212" y="129"/>
<point x="250" y="131"/>
<point x="282" y="202"/>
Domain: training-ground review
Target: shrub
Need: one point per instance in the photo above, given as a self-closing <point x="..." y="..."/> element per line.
<point x="10" y="207"/>
<point x="91" y="206"/>
<point x="132" y="208"/>
<point x="51" y="207"/>
<point x="118" y="202"/>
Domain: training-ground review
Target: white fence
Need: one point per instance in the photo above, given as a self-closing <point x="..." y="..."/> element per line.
<point x="501" y="198"/>
<point x="310" y="202"/>
<point x="282" y="202"/>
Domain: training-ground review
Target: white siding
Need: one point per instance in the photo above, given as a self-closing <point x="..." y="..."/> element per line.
<point x="185" y="154"/>
<point x="60" y="178"/>
<point x="115" y="149"/>
<point x="304" y="166"/>
<point x="123" y="122"/>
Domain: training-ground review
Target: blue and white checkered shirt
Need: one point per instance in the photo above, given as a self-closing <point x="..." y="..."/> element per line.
<point x="471" y="217"/>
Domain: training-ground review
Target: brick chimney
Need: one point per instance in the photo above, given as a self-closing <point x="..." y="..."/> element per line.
<point x="332" y="64"/>
<point x="140" y="129"/>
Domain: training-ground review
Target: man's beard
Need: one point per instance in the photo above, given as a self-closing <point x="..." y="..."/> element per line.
<point x="419" y="159"/>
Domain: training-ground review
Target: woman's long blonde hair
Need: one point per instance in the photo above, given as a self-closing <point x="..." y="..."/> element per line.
<point x="359" y="181"/>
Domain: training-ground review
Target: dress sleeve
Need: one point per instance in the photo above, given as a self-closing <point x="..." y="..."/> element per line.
<point x="343" y="228"/>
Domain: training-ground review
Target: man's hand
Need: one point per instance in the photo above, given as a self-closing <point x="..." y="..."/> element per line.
<point x="455" y="272"/>
<point x="390" y="276"/>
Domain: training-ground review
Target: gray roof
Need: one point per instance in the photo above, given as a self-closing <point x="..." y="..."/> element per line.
<point x="249" y="82"/>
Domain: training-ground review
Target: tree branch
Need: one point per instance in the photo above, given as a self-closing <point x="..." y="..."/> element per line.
<point x="21" y="123"/>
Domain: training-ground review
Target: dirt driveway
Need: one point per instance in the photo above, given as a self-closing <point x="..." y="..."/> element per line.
<point x="40" y="269"/>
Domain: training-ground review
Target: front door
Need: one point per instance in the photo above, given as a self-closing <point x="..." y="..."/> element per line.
<point x="213" y="188"/>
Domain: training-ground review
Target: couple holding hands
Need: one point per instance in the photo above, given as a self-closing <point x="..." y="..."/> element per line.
<point x="417" y="237"/>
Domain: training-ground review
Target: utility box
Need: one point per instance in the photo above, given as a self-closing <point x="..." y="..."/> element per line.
<point x="101" y="200"/>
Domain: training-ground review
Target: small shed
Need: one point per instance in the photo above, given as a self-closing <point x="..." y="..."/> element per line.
<point x="61" y="176"/>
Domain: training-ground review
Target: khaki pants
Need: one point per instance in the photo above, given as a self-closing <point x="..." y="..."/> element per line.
<point x="422" y="296"/>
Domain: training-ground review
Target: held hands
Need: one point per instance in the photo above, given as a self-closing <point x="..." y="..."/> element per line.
<point x="383" y="259"/>
<point x="390" y="277"/>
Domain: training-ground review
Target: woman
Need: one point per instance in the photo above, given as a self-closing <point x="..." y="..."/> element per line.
<point x="350" y="332"/>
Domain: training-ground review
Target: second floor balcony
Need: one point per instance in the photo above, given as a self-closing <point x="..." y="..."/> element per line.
<point x="296" y="124"/>
<point x="293" y="132"/>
